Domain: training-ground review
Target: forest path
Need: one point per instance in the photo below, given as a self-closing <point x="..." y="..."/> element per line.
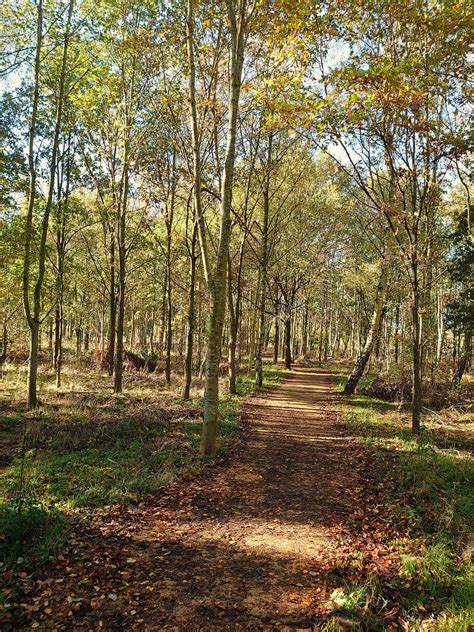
<point x="243" y="546"/>
<point x="246" y="544"/>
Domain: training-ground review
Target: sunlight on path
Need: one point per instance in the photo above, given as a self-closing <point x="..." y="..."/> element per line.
<point x="247" y="544"/>
<point x="257" y="533"/>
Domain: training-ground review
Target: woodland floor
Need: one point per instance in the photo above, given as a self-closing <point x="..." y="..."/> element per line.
<point x="258" y="540"/>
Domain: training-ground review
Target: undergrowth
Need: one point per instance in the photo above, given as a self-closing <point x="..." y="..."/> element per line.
<point x="427" y="484"/>
<point x="30" y="531"/>
<point x="77" y="459"/>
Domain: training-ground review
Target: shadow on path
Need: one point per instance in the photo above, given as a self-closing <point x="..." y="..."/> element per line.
<point x="245" y="545"/>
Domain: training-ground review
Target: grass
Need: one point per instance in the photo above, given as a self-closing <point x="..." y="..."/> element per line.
<point x="428" y="483"/>
<point x="30" y="533"/>
<point x="86" y="448"/>
<point x="352" y="609"/>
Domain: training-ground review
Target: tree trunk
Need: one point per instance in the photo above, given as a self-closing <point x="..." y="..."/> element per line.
<point x="417" y="385"/>
<point x="33" y="316"/>
<point x="218" y="282"/>
<point x="234" y="316"/>
<point x="50" y="336"/>
<point x="161" y="337"/>
<point x="133" y="328"/>
<point x="58" y="342"/>
<point x="233" y="327"/>
<point x="3" y="354"/>
<point x="152" y="330"/>
<point x="118" y="363"/>
<point x="112" y="308"/>
<point x="440" y="328"/>
<point x="375" y="327"/>
<point x="304" y="334"/>
<point x="463" y="362"/>
<point x="169" y="307"/>
<point x="263" y="267"/>
<point x="78" y="337"/>
<point x="287" y="343"/>
<point x="121" y="247"/>
<point x="33" y="366"/>
<point x="321" y="331"/>
<point x="396" y="351"/>
<point x="121" y="202"/>
<point x="188" y="363"/>
<point x="327" y="328"/>
<point x="276" y="339"/>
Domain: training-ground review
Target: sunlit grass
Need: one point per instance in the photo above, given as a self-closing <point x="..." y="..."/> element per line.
<point x="432" y="477"/>
<point x="87" y="448"/>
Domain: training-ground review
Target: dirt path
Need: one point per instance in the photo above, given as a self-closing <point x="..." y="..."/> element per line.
<point x="245" y="545"/>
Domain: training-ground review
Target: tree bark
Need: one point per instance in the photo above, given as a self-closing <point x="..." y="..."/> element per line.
<point x="321" y="330"/>
<point x="463" y="362"/>
<point x="3" y="354"/>
<point x="417" y="361"/>
<point x="375" y="328"/>
<point x="161" y="336"/>
<point x="121" y="201"/>
<point x="121" y="236"/>
<point x="237" y="25"/>
<point x="396" y="350"/>
<point x="234" y="316"/>
<point x="112" y="307"/>
<point x="233" y="328"/>
<point x="276" y="338"/>
<point x="63" y="207"/>
<point x="263" y="267"/>
<point x="440" y="328"/>
<point x="121" y="251"/>
<point x="33" y="317"/>
<point x="188" y="363"/>
<point x="169" y="227"/>
<point x="304" y="332"/>
<point x="287" y="343"/>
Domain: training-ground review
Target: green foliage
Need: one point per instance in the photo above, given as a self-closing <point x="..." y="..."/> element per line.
<point x="30" y="531"/>
<point x="9" y="422"/>
<point x="350" y="597"/>
<point x="12" y="161"/>
<point x="87" y="464"/>
<point x="434" y="478"/>
<point x="433" y="570"/>
<point x="460" y="312"/>
<point x="352" y="603"/>
<point x="271" y="376"/>
<point x="450" y="622"/>
<point x="98" y="476"/>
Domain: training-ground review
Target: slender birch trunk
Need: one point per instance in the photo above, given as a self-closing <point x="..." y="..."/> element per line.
<point x="33" y="313"/>
<point x="375" y="327"/>
<point x="122" y="259"/>
<point x="263" y="267"/>
<point x="188" y="363"/>
<point x="417" y="357"/>
<point x="237" y="22"/>
<point x="169" y="228"/>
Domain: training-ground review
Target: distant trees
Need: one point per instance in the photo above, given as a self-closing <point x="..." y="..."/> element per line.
<point x="460" y="311"/>
<point x="198" y="185"/>
<point x="387" y="104"/>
